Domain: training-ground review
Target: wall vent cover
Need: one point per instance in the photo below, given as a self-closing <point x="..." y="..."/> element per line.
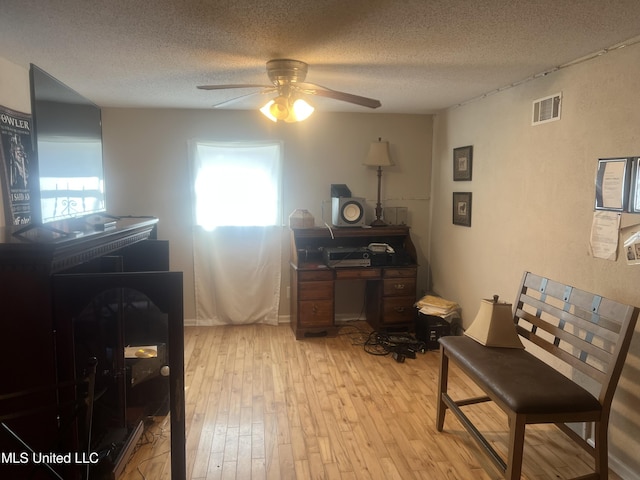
<point x="547" y="109"/>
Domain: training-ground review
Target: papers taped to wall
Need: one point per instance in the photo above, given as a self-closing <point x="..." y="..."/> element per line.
<point x="632" y="249"/>
<point x="604" y="235"/>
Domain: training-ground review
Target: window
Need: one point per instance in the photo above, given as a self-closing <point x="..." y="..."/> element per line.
<point x="71" y="181"/>
<point x="237" y="184"/>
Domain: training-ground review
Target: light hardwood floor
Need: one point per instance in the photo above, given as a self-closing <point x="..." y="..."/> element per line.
<point x="261" y="405"/>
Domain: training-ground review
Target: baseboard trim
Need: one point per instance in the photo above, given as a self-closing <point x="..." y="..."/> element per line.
<point x="621" y="469"/>
<point x="193" y="322"/>
<point x="282" y="319"/>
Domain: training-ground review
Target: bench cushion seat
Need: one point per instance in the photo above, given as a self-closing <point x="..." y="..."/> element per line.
<point x="523" y="382"/>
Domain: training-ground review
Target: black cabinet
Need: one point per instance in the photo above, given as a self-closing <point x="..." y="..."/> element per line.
<point x="92" y="343"/>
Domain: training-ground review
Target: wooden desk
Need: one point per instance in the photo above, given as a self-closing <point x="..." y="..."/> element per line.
<point x="390" y="288"/>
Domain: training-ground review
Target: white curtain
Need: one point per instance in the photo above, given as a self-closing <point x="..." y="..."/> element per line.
<point x="237" y="275"/>
<point x="237" y="256"/>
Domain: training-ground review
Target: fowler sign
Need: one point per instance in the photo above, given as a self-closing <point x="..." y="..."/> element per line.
<point x="18" y="172"/>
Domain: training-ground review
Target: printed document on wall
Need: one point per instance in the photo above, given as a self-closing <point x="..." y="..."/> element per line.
<point x="632" y="249"/>
<point x="604" y="235"/>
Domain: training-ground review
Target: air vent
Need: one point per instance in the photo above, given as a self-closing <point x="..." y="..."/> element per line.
<point x="546" y="109"/>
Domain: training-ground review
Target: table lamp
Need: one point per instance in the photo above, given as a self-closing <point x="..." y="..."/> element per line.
<point x="378" y="157"/>
<point x="493" y="326"/>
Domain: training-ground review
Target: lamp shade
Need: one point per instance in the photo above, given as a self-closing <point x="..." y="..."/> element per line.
<point x="493" y="325"/>
<point x="301" y="110"/>
<point x="378" y="155"/>
<point x="266" y="110"/>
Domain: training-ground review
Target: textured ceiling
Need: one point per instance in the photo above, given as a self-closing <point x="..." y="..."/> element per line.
<point x="415" y="56"/>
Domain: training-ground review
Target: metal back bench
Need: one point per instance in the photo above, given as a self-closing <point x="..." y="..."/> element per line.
<point x="572" y="332"/>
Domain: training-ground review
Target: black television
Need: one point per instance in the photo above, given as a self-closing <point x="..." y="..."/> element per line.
<point x="68" y="147"/>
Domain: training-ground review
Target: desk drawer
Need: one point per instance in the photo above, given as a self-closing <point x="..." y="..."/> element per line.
<point x="315" y="313"/>
<point x="357" y="273"/>
<point x="399" y="287"/>
<point x="398" y="309"/>
<point x="313" y="275"/>
<point x="315" y="290"/>
<point x="400" y="272"/>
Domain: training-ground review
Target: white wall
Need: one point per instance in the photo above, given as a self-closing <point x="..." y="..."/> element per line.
<point x="533" y="197"/>
<point x="147" y="171"/>
<point x="14" y="86"/>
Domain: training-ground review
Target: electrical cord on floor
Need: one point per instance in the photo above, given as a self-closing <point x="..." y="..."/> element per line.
<point x="153" y="432"/>
<point x="399" y="345"/>
<point x="149" y="459"/>
<point x="358" y="335"/>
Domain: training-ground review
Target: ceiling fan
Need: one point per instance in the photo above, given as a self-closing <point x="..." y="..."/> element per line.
<point x="288" y="82"/>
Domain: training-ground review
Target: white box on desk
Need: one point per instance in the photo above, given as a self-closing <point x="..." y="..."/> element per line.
<point x="395" y="215"/>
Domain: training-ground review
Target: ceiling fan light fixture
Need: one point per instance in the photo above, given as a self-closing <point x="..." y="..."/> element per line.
<point x="283" y="109"/>
<point x="276" y="109"/>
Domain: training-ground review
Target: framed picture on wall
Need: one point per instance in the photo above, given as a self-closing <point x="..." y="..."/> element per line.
<point x="634" y="197"/>
<point x="462" y="163"/>
<point x="613" y="180"/>
<point x="462" y="208"/>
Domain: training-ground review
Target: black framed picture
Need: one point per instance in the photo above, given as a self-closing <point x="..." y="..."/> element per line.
<point x="613" y="180"/>
<point x="634" y="196"/>
<point x="462" y="208"/>
<point x="462" y="163"/>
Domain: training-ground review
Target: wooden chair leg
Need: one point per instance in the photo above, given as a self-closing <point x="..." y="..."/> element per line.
<point x="516" y="447"/>
<point x="601" y="453"/>
<point x="442" y="388"/>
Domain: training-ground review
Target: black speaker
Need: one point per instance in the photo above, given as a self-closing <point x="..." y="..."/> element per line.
<point x="347" y="212"/>
<point x="340" y="190"/>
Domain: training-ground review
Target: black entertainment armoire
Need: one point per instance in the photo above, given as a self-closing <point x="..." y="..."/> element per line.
<point x="91" y="345"/>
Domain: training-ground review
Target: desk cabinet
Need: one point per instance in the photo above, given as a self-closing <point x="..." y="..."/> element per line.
<point x="390" y="303"/>
<point x="390" y="287"/>
<point x="315" y="299"/>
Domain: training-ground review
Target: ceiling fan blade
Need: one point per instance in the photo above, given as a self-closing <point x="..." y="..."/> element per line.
<point x="239" y="85"/>
<point x="313" y="89"/>
<point x="237" y="99"/>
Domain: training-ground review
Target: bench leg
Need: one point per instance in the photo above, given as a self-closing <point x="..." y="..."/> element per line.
<point x="516" y="446"/>
<point x="442" y="388"/>
<point x="601" y="454"/>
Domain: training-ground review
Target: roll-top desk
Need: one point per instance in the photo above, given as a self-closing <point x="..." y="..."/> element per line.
<point x="390" y="283"/>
